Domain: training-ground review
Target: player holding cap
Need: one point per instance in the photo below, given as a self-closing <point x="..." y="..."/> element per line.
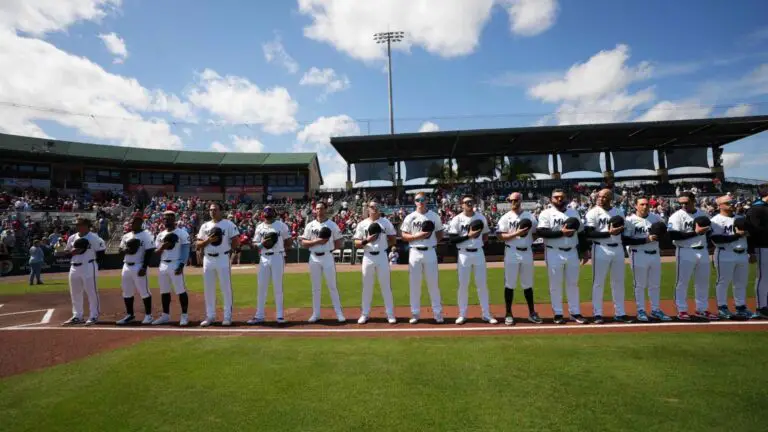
<point x="322" y="236"/>
<point x="642" y="232"/>
<point x="217" y="238"/>
<point x="731" y="260"/>
<point x="375" y="235"/>
<point x="173" y="245"/>
<point x="604" y="225"/>
<point x="422" y="230"/>
<point x="757" y="226"/>
<point x="272" y="239"/>
<point x="560" y="227"/>
<point x="86" y="250"/>
<point x="138" y="247"/>
<point x="516" y="229"/>
<point x="469" y="232"/>
<point x="688" y="228"/>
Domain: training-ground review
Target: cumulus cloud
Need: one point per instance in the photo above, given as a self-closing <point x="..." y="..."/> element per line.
<point x="449" y="28"/>
<point x="235" y="99"/>
<point x="274" y="52"/>
<point x="732" y="160"/>
<point x="239" y="144"/>
<point x="116" y="45"/>
<point x="683" y="110"/>
<point x="316" y="137"/>
<point x="37" y="17"/>
<point x="740" y="110"/>
<point x="429" y="127"/>
<point x="326" y="78"/>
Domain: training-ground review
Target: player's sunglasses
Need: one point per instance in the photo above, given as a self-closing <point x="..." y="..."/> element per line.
<point x="419" y="200"/>
<point x="468" y="202"/>
<point x="513" y="200"/>
<point x="373" y="207"/>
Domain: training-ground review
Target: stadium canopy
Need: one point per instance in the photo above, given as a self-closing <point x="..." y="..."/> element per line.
<point x="662" y="135"/>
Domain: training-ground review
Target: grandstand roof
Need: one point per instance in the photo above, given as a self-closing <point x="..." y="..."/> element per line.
<point x="38" y="147"/>
<point x="549" y="139"/>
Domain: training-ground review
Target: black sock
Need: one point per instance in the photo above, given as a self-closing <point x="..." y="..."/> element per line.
<point x="147" y="305"/>
<point x="184" y="300"/>
<point x="509" y="297"/>
<point x="128" y="305"/>
<point x="165" y="298"/>
<point x="528" y="292"/>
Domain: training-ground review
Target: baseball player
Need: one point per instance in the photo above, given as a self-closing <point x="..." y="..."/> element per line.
<point x="138" y="247"/>
<point x="757" y="226"/>
<point x="560" y="227"/>
<point x="422" y="230"/>
<point x="173" y="244"/>
<point x="272" y="239"/>
<point x="87" y="250"/>
<point x="516" y="229"/>
<point x="688" y="228"/>
<point x="731" y="259"/>
<point x="642" y="232"/>
<point x="603" y="226"/>
<point x="469" y="232"/>
<point x="322" y="236"/>
<point x="217" y="238"/>
<point x="375" y="235"/>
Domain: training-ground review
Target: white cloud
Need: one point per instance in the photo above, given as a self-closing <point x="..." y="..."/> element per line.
<point x="239" y="144"/>
<point x="327" y="78"/>
<point x="316" y="137"/>
<point x="116" y="45"/>
<point x="740" y="110"/>
<point x="429" y="127"/>
<point x="236" y="100"/>
<point x="531" y="17"/>
<point x="37" y="17"/>
<point x="683" y="110"/>
<point x="449" y="29"/>
<point x="732" y="160"/>
<point x="274" y="52"/>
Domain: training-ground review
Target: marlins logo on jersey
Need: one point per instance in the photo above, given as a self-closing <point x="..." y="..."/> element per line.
<point x="557" y="222"/>
<point x="602" y="222"/>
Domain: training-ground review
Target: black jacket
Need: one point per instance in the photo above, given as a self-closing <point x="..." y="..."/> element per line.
<point x="757" y="225"/>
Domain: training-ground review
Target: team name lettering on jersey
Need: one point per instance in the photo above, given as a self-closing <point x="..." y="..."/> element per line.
<point x="688" y="225"/>
<point x="557" y="221"/>
<point x="728" y="229"/>
<point x="641" y="229"/>
<point x="603" y="222"/>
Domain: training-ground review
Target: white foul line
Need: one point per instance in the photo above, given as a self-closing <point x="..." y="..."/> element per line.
<point x="24" y="312"/>
<point x="47" y="317"/>
<point x="501" y="328"/>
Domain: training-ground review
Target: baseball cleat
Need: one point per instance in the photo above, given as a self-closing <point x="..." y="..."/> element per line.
<point x="313" y="319"/>
<point x="392" y="320"/>
<point x="255" y="320"/>
<point x="707" y="315"/>
<point x="579" y="319"/>
<point x="75" y="320"/>
<point x="281" y="320"/>
<point x="126" y="320"/>
<point x="598" y="319"/>
<point x="558" y="319"/>
<point x="184" y="320"/>
<point x="535" y="318"/>
<point x="363" y="319"/>
<point x="439" y="318"/>
<point x="414" y="319"/>
<point x="147" y="319"/>
<point x="490" y="320"/>
<point x="743" y="313"/>
<point x="762" y="313"/>
<point x="683" y="316"/>
<point x="341" y="319"/>
<point x="207" y="323"/>
<point x="92" y="321"/>
<point x="460" y="320"/>
<point x="660" y="315"/>
<point x="622" y="319"/>
<point x="724" y="313"/>
<point x="642" y="316"/>
<point x="226" y="322"/>
<point x="509" y="320"/>
<point x="162" y="319"/>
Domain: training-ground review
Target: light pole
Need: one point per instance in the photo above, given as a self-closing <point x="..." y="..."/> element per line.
<point x="389" y="38"/>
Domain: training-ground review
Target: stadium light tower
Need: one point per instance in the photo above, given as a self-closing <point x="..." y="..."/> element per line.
<point x="389" y="38"/>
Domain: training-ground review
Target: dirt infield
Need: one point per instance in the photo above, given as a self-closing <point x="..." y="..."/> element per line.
<point x="31" y="336"/>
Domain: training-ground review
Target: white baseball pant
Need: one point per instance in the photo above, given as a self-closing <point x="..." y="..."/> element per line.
<point x="83" y="279"/>
<point x="731" y="267"/>
<point x="466" y="262"/>
<point x="377" y="265"/>
<point x="605" y="260"/>
<point x="166" y="278"/>
<point x="133" y="283"/>
<point x="646" y="274"/>
<point x="424" y="262"/>
<point x="692" y="262"/>
<point x="319" y="266"/>
<point x="563" y="265"/>
<point x="271" y="267"/>
<point x="217" y="268"/>
<point x="518" y="265"/>
<point x="761" y="280"/>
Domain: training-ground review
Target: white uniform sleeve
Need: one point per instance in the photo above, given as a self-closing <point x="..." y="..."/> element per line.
<point x="183" y="237"/>
<point x="158" y="239"/>
<point x="534" y="223"/>
<point x="407" y="224"/>
<point x="148" y="241"/>
<point x="718" y="228"/>
<point x="389" y="228"/>
<point x="359" y="231"/>
<point x="123" y="241"/>
<point x="544" y="220"/>
<point x="675" y="223"/>
<point x="257" y="234"/>
<point x="592" y="219"/>
<point x="203" y="233"/>
<point x="453" y="226"/>
<point x="70" y="243"/>
<point x="232" y="230"/>
<point x="486" y="228"/>
<point x="438" y="222"/>
<point x="307" y="232"/>
<point x="285" y="233"/>
<point x="503" y="225"/>
<point x="97" y="243"/>
<point x="336" y="232"/>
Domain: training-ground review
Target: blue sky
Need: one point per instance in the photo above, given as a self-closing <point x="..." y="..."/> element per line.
<point x="284" y="76"/>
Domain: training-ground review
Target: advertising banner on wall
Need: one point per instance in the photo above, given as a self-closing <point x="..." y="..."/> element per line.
<point x="152" y="189"/>
<point x="114" y="187"/>
<point x="274" y="189"/>
<point x="200" y="189"/>
<point x="25" y="183"/>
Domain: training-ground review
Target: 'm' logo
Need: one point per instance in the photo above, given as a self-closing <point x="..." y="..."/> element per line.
<point x="688" y="225"/>
<point x="602" y="222"/>
<point x="558" y="221"/>
<point x="728" y="229"/>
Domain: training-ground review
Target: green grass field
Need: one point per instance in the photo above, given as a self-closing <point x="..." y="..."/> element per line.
<point x="651" y="381"/>
<point x="297" y="290"/>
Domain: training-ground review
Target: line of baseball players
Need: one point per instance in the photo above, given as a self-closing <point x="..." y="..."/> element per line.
<point x="601" y="238"/>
